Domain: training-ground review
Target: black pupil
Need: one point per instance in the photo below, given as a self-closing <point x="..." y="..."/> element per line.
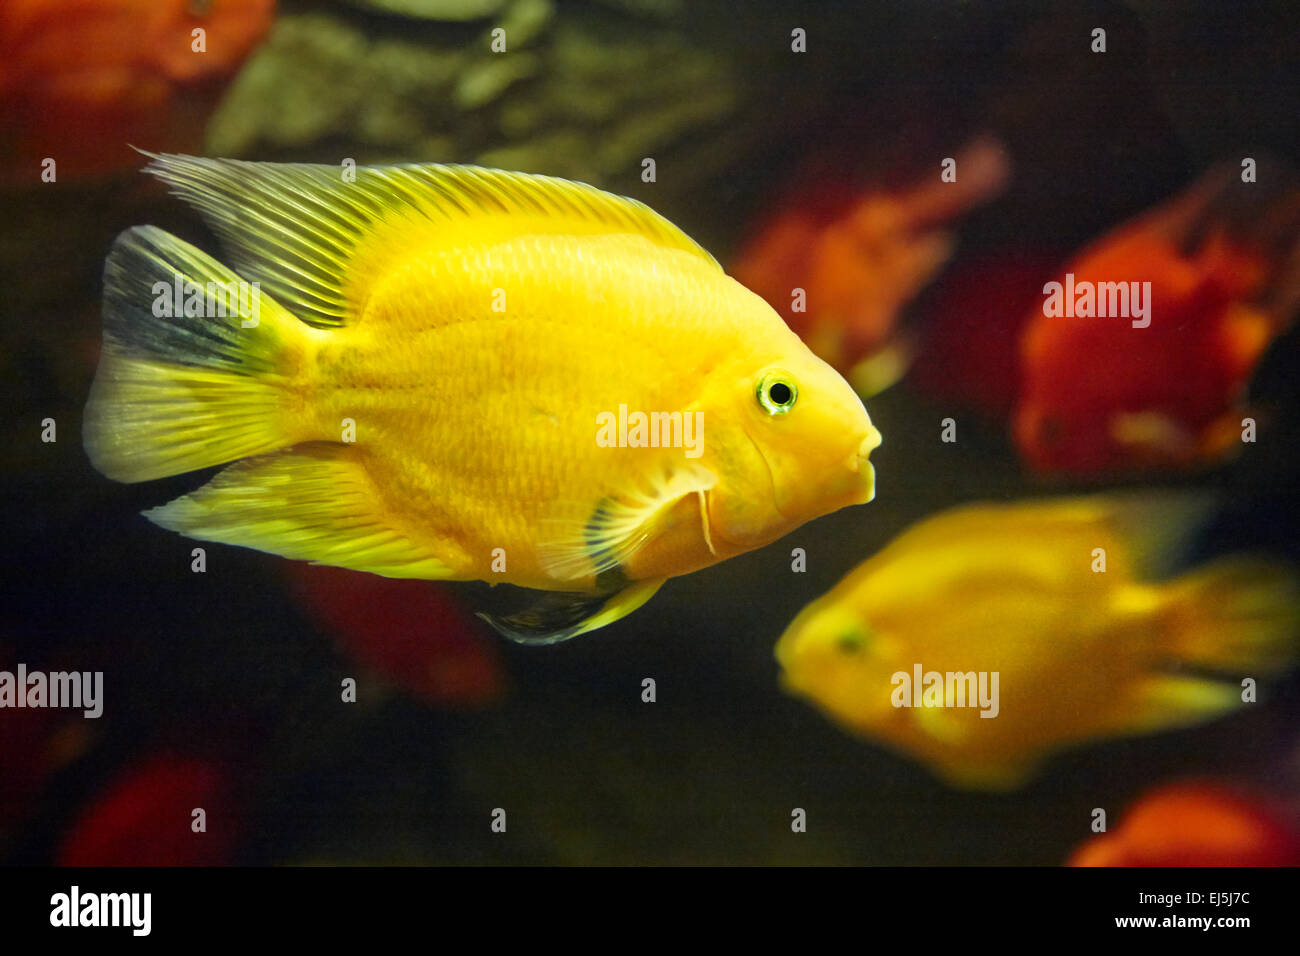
<point x="780" y="393"/>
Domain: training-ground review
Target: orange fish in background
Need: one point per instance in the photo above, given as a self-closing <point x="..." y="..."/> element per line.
<point x="860" y="256"/>
<point x="1195" y="823"/>
<point x="82" y="79"/>
<point x="1099" y="395"/>
<point x="145" y="817"/>
<point x="411" y="632"/>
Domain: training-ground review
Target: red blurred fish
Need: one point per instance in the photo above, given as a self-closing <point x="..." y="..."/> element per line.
<point x="26" y="759"/>
<point x="1110" y="394"/>
<point x="80" y="79"/>
<point x="35" y="743"/>
<point x="969" y="353"/>
<point x="411" y="632"/>
<point x="860" y="256"/>
<point x="146" y="817"/>
<point x="1197" y="823"/>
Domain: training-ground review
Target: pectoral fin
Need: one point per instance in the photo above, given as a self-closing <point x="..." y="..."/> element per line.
<point x="560" y="615"/>
<point x="1154" y="433"/>
<point x="620" y="525"/>
<point x="1158" y="437"/>
<point x="943" y="724"/>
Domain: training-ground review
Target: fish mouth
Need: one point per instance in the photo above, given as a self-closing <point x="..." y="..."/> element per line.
<point x="786" y="653"/>
<point x="870" y="442"/>
<point x="860" y="464"/>
<point x="868" y="472"/>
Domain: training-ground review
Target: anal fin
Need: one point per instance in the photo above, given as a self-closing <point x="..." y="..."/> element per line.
<point x="991" y="776"/>
<point x="315" y="503"/>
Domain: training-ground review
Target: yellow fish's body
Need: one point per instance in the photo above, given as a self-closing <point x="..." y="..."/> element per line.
<point x="986" y="638"/>
<point x="458" y="373"/>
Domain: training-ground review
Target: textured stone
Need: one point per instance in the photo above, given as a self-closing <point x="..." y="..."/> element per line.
<point x="435" y="9"/>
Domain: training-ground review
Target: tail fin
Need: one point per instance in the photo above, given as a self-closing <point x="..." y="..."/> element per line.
<point x="1238" y="615"/>
<point x="193" y="366"/>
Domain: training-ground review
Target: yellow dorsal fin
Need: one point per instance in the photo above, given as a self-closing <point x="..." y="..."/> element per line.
<point x="316" y="242"/>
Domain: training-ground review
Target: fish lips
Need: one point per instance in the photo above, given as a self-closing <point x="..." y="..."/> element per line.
<point x="859" y="463"/>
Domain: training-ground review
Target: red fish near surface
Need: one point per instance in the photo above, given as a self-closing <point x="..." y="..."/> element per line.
<point x="1105" y="393"/>
<point x="860" y="255"/>
<point x="80" y="79"/>
<point x="1196" y="823"/>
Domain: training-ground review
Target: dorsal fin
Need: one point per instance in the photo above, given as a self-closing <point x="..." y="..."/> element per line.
<point x="316" y="242"/>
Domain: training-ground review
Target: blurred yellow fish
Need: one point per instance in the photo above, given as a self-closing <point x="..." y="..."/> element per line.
<point x="427" y="372"/>
<point x="1007" y="602"/>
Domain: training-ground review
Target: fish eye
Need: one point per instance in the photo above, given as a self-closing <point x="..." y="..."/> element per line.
<point x="850" y="642"/>
<point x="777" y="392"/>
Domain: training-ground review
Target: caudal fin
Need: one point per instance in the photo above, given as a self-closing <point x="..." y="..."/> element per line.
<point x="1237" y="615"/>
<point x="194" y="363"/>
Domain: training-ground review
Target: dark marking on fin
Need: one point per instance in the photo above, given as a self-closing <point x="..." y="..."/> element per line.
<point x="594" y="535"/>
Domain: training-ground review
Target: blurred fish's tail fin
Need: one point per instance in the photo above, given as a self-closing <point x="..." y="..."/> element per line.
<point x="193" y="366"/>
<point x="1238" y="615"/>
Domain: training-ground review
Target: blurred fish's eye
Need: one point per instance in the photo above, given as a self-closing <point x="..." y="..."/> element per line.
<point x="777" y="393"/>
<point x="850" y="642"/>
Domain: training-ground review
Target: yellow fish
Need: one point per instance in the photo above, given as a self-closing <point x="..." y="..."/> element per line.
<point x="457" y="373"/>
<point x="989" y="636"/>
